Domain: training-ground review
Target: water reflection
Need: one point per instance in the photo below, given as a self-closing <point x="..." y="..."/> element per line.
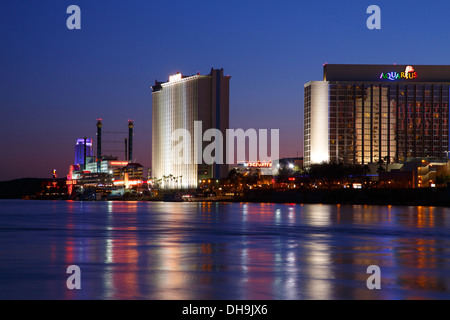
<point x="131" y="250"/>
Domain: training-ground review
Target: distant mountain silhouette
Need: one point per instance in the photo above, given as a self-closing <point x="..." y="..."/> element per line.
<point x="19" y="188"/>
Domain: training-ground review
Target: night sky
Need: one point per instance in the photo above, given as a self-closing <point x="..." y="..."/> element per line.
<point x="55" y="82"/>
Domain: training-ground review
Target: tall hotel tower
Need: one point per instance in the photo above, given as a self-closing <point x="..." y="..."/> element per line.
<point x="362" y="114"/>
<point x="176" y="105"/>
<point x="83" y="149"/>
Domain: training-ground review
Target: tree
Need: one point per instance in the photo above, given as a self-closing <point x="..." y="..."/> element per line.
<point x="284" y="174"/>
<point x="380" y="167"/>
<point x="327" y="172"/>
<point x="330" y="173"/>
<point x="442" y="180"/>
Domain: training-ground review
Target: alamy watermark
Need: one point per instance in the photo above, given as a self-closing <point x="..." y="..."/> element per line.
<point x="74" y="20"/>
<point x="374" y="281"/>
<point x="221" y="150"/>
<point x="374" y="21"/>
<point x="74" y="281"/>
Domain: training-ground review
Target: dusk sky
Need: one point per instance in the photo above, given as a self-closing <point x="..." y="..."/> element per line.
<point x="55" y="82"/>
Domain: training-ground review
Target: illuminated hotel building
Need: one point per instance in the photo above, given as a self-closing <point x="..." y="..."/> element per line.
<point x="362" y="114"/>
<point x="80" y="149"/>
<point x="176" y="105"/>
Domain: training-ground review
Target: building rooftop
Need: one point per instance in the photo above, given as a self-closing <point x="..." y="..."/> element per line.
<point x="178" y="77"/>
<point x="387" y="73"/>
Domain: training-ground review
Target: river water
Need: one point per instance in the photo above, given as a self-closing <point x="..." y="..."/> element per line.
<point x="215" y="251"/>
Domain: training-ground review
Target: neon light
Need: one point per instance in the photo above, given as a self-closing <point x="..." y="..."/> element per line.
<point x="119" y="163"/>
<point x="408" y="74"/>
<point x="88" y="142"/>
<point x="130" y="183"/>
<point x="258" y="164"/>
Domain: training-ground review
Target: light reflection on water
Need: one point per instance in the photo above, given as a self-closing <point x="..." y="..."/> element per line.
<point x="133" y="250"/>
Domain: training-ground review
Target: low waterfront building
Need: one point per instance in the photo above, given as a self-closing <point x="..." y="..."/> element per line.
<point x="417" y="173"/>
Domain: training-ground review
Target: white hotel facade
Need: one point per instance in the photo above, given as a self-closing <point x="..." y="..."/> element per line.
<point x="177" y="104"/>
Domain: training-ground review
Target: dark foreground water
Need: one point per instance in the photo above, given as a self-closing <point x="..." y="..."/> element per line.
<point x="131" y="250"/>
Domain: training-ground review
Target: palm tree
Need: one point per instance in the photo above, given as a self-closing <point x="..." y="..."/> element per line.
<point x="165" y="180"/>
<point x="171" y="177"/>
<point x="380" y="166"/>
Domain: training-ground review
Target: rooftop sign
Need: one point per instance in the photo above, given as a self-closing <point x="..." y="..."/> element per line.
<point x="175" y="77"/>
<point x="387" y="73"/>
<point x="408" y="74"/>
<point x="119" y="163"/>
<point x="258" y="164"/>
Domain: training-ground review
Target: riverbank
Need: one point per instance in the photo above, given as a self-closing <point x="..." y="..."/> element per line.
<point x="399" y="197"/>
<point x="405" y="197"/>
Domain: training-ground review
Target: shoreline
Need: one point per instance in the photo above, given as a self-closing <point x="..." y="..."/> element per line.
<point x="436" y="197"/>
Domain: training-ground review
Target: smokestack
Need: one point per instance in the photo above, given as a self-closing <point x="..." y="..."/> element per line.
<point x="99" y="144"/>
<point x="130" y="141"/>
<point x="126" y="150"/>
<point x="84" y="153"/>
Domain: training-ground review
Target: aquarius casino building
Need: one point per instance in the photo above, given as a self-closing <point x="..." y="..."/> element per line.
<point x="362" y="114"/>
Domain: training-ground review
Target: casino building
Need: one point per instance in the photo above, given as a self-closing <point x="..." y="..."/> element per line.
<point x="177" y="104"/>
<point x="362" y="114"/>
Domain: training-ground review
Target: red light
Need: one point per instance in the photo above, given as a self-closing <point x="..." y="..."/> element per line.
<point x="119" y="163"/>
<point x="259" y="164"/>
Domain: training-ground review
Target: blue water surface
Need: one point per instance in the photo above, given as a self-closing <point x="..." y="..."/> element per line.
<point x="215" y="251"/>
